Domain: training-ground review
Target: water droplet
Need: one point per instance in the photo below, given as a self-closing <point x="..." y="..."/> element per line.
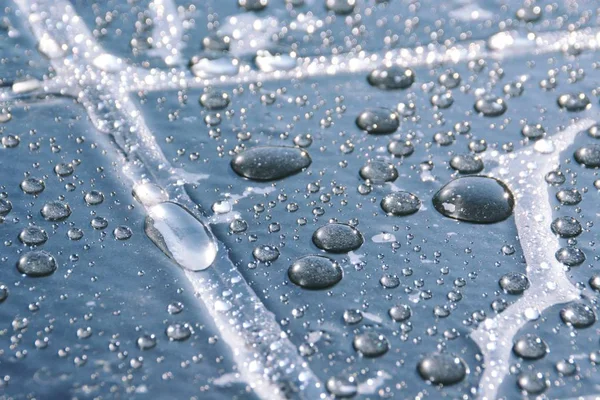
<point x="401" y="148"/>
<point x="400" y="203"/>
<point x="530" y="347"/>
<point x="63" y="169"/>
<point x="532" y="382"/>
<point x="490" y="106"/>
<point x="570" y="256"/>
<point x="266" y="163"/>
<point x="352" y="316"/>
<point x="214" y="100"/>
<point x="467" y="163"/>
<point x="566" y="367"/>
<point x="449" y="79"/>
<point x="377" y="171"/>
<point x="555" y="178"/>
<point x="149" y="194"/>
<point x="442" y="100"/>
<point x="265" y="253"/>
<point x="5" y="207"/>
<point x="32" y="186"/>
<point x="181" y="236"/>
<point x="56" y="211"/>
<point x="99" y="223"/>
<point x="342" y="386"/>
<point x="93" y="198"/>
<point x="371" y="344"/>
<point x="574" y="102"/>
<point x="568" y="197"/>
<point x="514" y="283"/>
<point x="10" y="141"/>
<point x="442" y="368"/>
<point x="179" y="332"/>
<point x="146" y="342"/>
<point x="75" y="234"/>
<point x="566" y="227"/>
<point x="588" y="155"/>
<point x="378" y="121"/>
<point x="253" y="5"/>
<point x="477" y="199"/>
<point x="33" y="236"/>
<point x="3" y="292"/>
<point x="400" y="312"/>
<point x="337" y="238"/>
<point x="315" y="272"/>
<point x="389" y="281"/>
<point x="529" y="13"/>
<point x="533" y="131"/>
<point x="578" y="315"/>
<point x="270" y="60"/>
<point x="391" y="77"/>
<point x="341" y="7"/>
<point x="36" y="264"/>
<point x="122" y="232"/>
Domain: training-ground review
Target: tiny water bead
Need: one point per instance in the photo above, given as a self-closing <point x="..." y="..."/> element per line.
<point x="514" y="283"/>
<point x="56" y="211"/>
<point x="442" y="368"/>
<point x="315" y="272"/>
<point x="490" y="106"/>
<point x="530" y="347"/>
<point x="337" y="238"/>
<point x="37" y="264"/>
<point x="476" y="199"/>
<point x="267" y="163"/>
<point x="32" y="186"/>
<point x="566" y="227"/>
<point x="378" y="171"/>
<point x="588" y="155"/>
<point x="574" y="102"/>
<point x="265" y="253"/>
<point x="371" y="344"/>
<point x="578" y="315"/>
<point x="378" y="121"/>
<point x="400" y="203"/>
<point x="391" y="77"/>
<point x="33" y="236"/>
<point x="467" y="163"/>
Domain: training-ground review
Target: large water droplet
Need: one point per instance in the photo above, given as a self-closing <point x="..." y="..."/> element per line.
<point x="315" y="272"/>
<point x="37" y="263"/>
<point x="588" y="155"/>
<point x="214" y="100"/>
<point x="337" y="238"/>
<point x="371" y="344"/>
<point x="514" y="283"/>
<point x="530" y="347"/>
<point x="378" y="171"/>
<point x="477" y="199"/>
<point x="56" y="211"/>
<point x="33" y="236"/>
<point x="442" y="368"/>
<point x="266" y="163"/>
<point x="400" y="203"/>
<point x="378" y="121"/>
<point x="574" y="102"/>
<point x="490" y="106"/>
<point x="578" y="315"/>
<point x="391" y="77"/>
<point x="181" y="236"/>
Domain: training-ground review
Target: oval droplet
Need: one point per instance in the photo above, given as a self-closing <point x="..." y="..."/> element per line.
<point x="267" y="163"/>
<point x="315" y="272"/>
<point x="37" y="264"/>
<point x="337" y="238"/>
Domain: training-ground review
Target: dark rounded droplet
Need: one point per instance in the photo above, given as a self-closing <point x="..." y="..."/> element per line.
<point x="3" y="292"/>
<point x="477" y="199"/>
<point x="352" y="316"/>
<point x="265" y="253"/>
<point x="33" y="236"/>
<point x="178" y="332"/>
<point x="513" y="89"/>
<point x="146" y="342"/>
<point x="574" y="102"/>
<point x="400" y="312"/>
<point x="566" y="227"/>
<point x="442" y="100"/>
<point x="533" y="131"/>
<point x="530" y="347"/>
<point x="389" y="281"/>
<point x="467" y="163"/>
<point x="594" y="131"/>
<point x="568" y="197"/>
<point x="595" y="282"/>
<point x="401" y="148"/>
<point x="588" y="155"/>
<point x="315" y="272"/>
<point x="478" y="146"/>
<point x="444" y="138"/>
<point x="566" y="367"/>
<point x="442" y="368"/>
<point x="266" y="163"/>
<point x="32" y="186"/>
<point x="570" y="256"/>
<point x="56" y="211"/>
<point x="216" y="43"/>
<point x="391" y="77"/>
<point x="578" y="315"/>
<point x="378" y="171"/>
<point x="37" y="264"/>
<point x="214" y="100"/>
<point x="532" y="382"/>
<point x="490" y="106"/>
<point x="555" y="178"/>
<point x="514" y="283"/>
<point x="371" y="344"/>
<point x="378" y="121"/>
<point x="400" y="203"/>
<point x="337" y="238"/>
<point x="5" y="207"/>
